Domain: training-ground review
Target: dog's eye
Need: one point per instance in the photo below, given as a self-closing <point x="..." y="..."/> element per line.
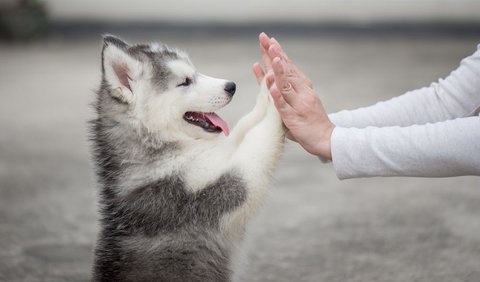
<point x="186" y="82"/>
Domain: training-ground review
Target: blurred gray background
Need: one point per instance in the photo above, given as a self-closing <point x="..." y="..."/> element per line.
<point x="313" y="226"/>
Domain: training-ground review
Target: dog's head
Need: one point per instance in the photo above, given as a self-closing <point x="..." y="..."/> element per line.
<point x="159" y="89"/>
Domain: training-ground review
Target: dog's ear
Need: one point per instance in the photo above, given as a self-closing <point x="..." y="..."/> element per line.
<point x="120" y="70"/>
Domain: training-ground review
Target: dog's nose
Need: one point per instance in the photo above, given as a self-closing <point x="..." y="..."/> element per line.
<point x="230" y="88"/>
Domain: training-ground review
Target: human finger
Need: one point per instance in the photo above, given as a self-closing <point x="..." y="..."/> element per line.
<point x="282" y="106"/>
<point x="271" y="48"/>
<point x="264" y="40"/>
<point x="258" y="71"/>
<point x="281" y="79"/>
<point x="276" y="50"/>
<point x="264" y="45"/>
<point x="292" y="88"/>
<point x="270" y="80"/>
<point x="267" y="61"/>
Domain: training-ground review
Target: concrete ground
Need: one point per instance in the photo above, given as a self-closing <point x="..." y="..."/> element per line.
<point x="313" y="226"/>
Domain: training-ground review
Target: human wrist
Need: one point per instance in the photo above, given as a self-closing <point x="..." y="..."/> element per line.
<point x="324" y="148"/>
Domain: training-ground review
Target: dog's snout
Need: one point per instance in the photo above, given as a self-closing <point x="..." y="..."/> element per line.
<point x="230" y="87"/>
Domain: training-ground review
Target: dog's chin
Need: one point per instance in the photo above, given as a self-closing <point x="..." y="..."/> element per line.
<point x="208" y="122"/>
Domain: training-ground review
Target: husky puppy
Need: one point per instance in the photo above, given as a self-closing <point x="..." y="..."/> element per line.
<point x="176" y="187"/>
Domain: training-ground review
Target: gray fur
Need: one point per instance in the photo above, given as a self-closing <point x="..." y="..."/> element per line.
<point x="143" y="53"/>
<point x="158" y="231"/>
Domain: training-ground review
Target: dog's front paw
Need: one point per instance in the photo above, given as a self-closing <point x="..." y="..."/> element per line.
<point x="264" y="98"/>
<point x="275" y="116"/>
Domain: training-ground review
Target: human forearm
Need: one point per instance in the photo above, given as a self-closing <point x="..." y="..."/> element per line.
<point x="449" y="148"/>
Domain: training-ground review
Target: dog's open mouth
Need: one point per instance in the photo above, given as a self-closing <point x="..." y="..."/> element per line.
<point x="210" y="122"/>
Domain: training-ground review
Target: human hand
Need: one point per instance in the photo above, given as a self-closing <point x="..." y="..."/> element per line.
<point x="301" y="110"/>
<point x="270" y="48"/>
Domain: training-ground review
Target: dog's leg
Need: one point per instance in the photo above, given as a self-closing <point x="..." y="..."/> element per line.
<point x="251" y="119"/>
<point x="255" y="158"/>
<point x="259" y="152"/>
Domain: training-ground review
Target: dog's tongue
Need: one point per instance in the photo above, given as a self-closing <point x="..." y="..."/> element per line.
<point x="219" y="122"/>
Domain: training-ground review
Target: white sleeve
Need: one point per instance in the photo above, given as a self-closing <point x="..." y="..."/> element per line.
<point x="456" y="96"/>
<point x="449" y="148"/>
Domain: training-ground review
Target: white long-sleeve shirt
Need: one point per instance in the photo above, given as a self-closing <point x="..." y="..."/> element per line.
<point x="432" y="132"/>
